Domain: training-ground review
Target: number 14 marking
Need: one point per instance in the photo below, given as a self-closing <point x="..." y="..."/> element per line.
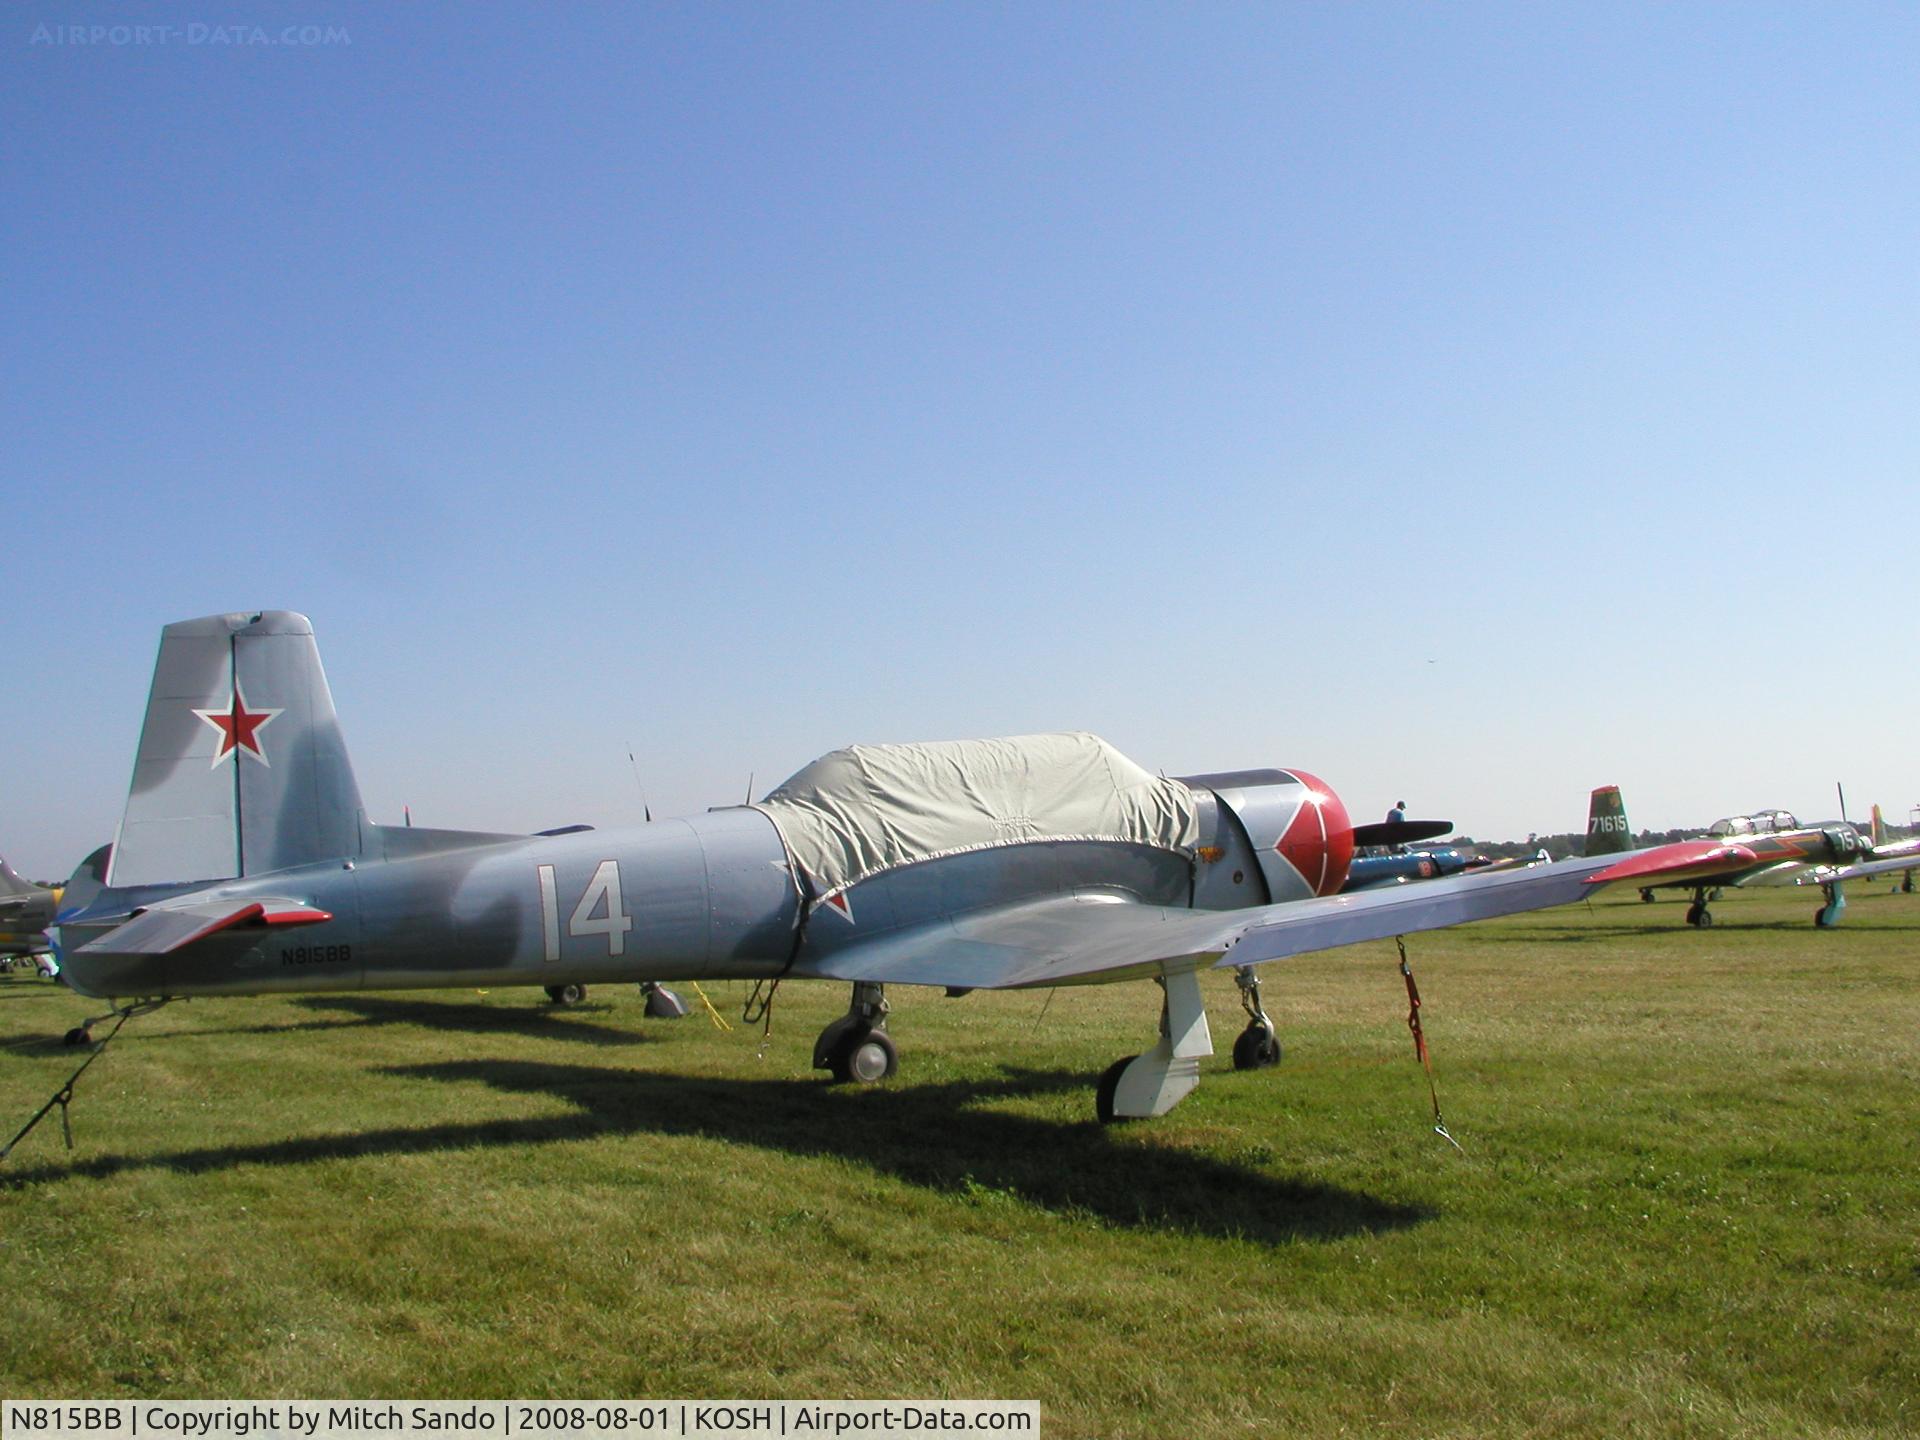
<point x="602" y="895"/>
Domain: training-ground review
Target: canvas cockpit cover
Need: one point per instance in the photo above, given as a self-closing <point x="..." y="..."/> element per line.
<point x="869" y="808"/>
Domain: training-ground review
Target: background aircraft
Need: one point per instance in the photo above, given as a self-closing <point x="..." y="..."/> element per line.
<point x="1607" y="834"/>
<point x="1403" y="866"/>
<point x="245" y="863"/>
<point x="1390" y="854"/>
<point x="1789" y="853"/>
<point x="26" y="910"/>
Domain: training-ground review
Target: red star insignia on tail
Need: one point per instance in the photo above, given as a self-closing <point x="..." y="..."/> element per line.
<point x="238" y="727"/>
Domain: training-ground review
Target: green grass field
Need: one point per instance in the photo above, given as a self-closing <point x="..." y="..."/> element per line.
<point x="1688" y="1202"/>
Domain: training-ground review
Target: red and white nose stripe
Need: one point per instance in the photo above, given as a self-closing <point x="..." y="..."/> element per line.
<point x="1318" y="843"/>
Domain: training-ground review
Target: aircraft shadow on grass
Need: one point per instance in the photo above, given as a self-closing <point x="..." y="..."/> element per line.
<point x="934" y="1136"/>
<point x="354" y="1011"/>
<point x="539" y="1022"/>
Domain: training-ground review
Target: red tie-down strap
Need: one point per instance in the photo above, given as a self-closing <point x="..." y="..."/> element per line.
<point x="1420" y="1041"/>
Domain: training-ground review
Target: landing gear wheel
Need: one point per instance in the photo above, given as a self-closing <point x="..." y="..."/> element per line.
<point x="1104" y="1091"/>
<point x="1820" y="919"/>
<point x="566" y="994"/>
<point x="78" y="1035"/>
<point x="1256" y="1048"/>
<point x="864" y="1058"/>
<point x="1699" y="916"/>
<point x="856" y="1048"/>
<point x="1646" y="897"/>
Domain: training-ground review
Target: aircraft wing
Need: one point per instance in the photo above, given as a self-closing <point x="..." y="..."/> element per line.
<point x="1827" y="874"/>
<point x="1093" y="938"/>
<point x="163" y="929"/>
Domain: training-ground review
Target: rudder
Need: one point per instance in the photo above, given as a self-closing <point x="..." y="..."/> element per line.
<point x="241" y="767"/>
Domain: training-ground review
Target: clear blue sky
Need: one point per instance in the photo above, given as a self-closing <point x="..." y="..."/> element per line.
<point x="1470" y="404"/>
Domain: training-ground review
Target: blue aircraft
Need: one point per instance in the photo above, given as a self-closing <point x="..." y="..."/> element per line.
<point x="245" y="864"/>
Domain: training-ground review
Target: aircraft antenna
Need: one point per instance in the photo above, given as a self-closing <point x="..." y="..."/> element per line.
<point x="1843" y="800"/>
<point x="645" y="808"/>
<point x="749" y="787"/>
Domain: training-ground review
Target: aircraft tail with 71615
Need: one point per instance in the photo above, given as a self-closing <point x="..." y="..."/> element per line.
<point x="1607" y="832"/>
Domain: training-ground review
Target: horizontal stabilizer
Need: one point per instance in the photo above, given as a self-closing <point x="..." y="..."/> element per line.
<point x="1683" y="860"/>
<point x="1401" y="832"/>
<point x="165" y="929"/>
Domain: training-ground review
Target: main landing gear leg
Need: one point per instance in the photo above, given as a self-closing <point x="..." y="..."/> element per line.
<point x="1153" y="1083"/>
<point x="856" y="1047"/>
<point x="1698" y="915"/>
<point x="1257" y="1046"/>
<point x="1828" y="915"/>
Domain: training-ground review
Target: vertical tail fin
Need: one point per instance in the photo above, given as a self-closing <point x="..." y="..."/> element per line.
<point x="1607" y="832"/>
<point x="10" y="881"/>
<point x="241" y="766"/>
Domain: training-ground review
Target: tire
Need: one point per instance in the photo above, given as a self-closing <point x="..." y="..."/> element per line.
<point x="566" y="994"/>
<point x="1256" y="1048"/>
<point x="866" y="1059"/>
<point x="1103" y="1092"/>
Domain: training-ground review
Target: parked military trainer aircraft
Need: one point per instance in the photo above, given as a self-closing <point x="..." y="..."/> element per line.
<point x="26" y="910"/>
<point x="246" y="864"/>
<point x="1789" y="853"/>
